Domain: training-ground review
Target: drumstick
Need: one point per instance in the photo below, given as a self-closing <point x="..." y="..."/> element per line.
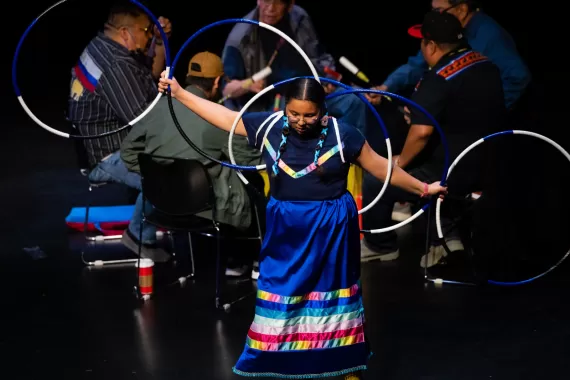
<point x="279" y="44"/>
<point x="353" y="69"/>
<point x="356" y="71"/>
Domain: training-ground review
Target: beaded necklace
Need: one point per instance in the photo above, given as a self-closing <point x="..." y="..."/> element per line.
<point x="286" y="130"/>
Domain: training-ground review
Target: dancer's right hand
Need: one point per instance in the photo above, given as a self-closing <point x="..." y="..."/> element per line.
<point x="164" y="82"/>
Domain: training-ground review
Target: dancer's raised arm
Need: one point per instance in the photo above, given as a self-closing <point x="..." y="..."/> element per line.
<point x="213" y="113"/>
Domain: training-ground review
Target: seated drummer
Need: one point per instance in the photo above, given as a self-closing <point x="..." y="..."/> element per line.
<point x="464" y="93"/>
<point x="156" y="134"/>
<point x="249" y="49"/>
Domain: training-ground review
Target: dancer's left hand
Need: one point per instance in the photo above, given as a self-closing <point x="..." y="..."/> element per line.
<point x="436" y="188"/>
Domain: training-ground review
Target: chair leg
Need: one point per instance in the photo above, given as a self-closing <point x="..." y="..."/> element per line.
<point x="86" y="221"/>
<point x="140" y="237"/>
<point x="218" y="265"/>
<point x="87" y="239"/>
<point x="85" y="243"/>
<point x="260" y="238"/>
<point x="260" y="233"/>
<point x="191" y="253"/>
<point x="171" y="240"/>
<point x="138" y="277"/>
<point x="226" y="306"/>
<point x="96" y="238"/>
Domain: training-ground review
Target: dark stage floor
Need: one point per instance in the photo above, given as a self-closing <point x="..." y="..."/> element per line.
<point x="63" y="320"/>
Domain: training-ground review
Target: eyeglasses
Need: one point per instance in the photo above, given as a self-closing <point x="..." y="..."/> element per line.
<point x="148" y="30"/>
<point x="308" y="120"/>
<point x="442" y="10"/>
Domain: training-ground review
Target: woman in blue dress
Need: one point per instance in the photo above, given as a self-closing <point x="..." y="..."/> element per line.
<point x="309" y="316"/>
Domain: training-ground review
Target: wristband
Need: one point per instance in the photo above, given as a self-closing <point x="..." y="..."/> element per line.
<point x="425" y="193"/>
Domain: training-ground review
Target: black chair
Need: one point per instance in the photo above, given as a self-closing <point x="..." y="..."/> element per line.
<point x="178" y="190"/>
<point x="85" y="169"/>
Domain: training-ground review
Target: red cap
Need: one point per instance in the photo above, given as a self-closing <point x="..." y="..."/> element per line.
<point x="333" y="74"/>
<point x="441" y="27"/>
<point x="416" y="31"/>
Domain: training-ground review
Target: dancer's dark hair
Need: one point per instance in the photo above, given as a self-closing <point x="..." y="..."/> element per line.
<point x="308" y="89"/>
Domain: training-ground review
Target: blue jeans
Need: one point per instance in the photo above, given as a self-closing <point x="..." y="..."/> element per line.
<point x="113" y="169"/>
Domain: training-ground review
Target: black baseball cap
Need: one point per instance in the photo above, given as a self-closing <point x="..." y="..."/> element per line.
<point x="442" y="27"/>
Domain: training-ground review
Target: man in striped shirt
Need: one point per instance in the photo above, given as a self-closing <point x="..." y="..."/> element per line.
<point x="112" y="84"/>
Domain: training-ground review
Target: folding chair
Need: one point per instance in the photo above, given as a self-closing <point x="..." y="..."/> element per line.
<point x="178" y="190"/>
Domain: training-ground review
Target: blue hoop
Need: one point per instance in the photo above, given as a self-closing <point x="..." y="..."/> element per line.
<point x="170" y="74"/>
<point x="83" y="137"/>
<point x="443" y="142"/>
<point x="334" y="82"/>
<point x="416" y="106"/>
<point x="439" y="200"/>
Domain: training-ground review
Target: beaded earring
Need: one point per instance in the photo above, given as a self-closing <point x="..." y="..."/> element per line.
<point x="284" y="134"/>
<point x="322" y="137"/>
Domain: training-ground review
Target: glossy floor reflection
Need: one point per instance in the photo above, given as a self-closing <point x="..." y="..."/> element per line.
<point x="63" y="319"/>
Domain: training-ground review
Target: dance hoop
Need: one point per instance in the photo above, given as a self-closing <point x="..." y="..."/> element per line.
<point x="327" y="80"/>
<point x="274" y="118"/>
<point x="85" y="137"/>
<point x="443" y="142"/>
<point x="467" y="150"/>
<point x="173" y="114"/>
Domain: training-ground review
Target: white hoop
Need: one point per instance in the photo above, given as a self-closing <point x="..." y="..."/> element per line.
<point x="67" y="135"/>
<point x="275" y="118"/>
<point x="464" y="153"/>
<point x="479" y="142"/>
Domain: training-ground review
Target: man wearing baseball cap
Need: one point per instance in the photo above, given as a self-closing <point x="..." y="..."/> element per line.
<point x="485" y="36"/>
<point x="156" y="134"/>
<point x="463" y="91"/>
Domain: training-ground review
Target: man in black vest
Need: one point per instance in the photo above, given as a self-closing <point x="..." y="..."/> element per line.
<point x="463" y="91"/>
